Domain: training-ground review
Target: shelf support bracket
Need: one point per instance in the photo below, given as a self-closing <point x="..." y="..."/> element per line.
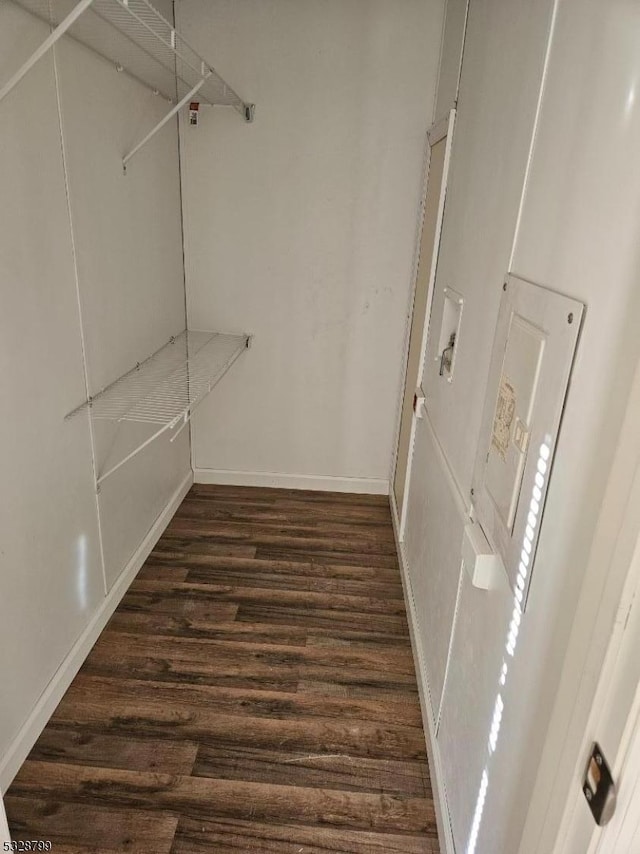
<point x="46" y="45"/>
<point x="104" y="475"/>
<point x="162" y="122"/>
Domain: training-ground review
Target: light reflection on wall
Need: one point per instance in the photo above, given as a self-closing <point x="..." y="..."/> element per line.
<point x="514" y="629"/>
<point x="81" y="572"/>
<point x="630" y="101"/>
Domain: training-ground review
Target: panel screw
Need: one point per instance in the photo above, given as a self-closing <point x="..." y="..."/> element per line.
<point x="473" y="492"/>
<point x="504" y="286"/>
<point x="570" y="317"/>
<point x="587" y="793"/>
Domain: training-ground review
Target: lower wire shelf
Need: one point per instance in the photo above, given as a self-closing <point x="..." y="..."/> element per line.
<point x="164" y="390"/>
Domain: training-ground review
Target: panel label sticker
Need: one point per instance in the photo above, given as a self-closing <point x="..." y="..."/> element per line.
<point x="503" y="419"/>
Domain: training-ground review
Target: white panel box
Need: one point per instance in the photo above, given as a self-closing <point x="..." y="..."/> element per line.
<point x="483" y="566"/>
<point x="533" y="353"/>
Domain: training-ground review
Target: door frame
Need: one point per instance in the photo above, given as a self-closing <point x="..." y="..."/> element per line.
<point x="441" y="129"/>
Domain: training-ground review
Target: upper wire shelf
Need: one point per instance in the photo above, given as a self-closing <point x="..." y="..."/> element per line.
<point x="138" y="40"/>
<point x="164" y="390"/>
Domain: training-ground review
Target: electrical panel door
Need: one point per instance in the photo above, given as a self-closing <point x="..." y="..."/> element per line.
<point x="517" y="392"/>
<point x="532" y="357"/>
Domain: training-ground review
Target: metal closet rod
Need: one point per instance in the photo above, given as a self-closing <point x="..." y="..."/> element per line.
<point x="62" y="28"/>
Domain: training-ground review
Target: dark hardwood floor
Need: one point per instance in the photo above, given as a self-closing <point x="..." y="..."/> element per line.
<point x="253" y="692"/>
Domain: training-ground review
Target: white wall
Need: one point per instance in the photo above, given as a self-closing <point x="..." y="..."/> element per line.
<point x="128" y="245"/>
<point x="300" y="228"/>
<point x="501" y="73"/>
<point x="578" y="235"/>
<point x="123" y="244"/>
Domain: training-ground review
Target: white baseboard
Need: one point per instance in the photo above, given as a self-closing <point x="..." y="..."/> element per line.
<point x="445" y="834"/>
<point x="53" y="693"/>
<point x="5" y="838"/>
<point x="363" y="485"/>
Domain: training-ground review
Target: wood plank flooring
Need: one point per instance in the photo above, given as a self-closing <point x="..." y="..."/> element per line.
<point x="254" y="692"/>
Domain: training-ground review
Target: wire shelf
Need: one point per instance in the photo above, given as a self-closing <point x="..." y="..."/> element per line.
<point x="164" y="390"/>
<point x="139" y="41"/>
<point x="166" y="387"/>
